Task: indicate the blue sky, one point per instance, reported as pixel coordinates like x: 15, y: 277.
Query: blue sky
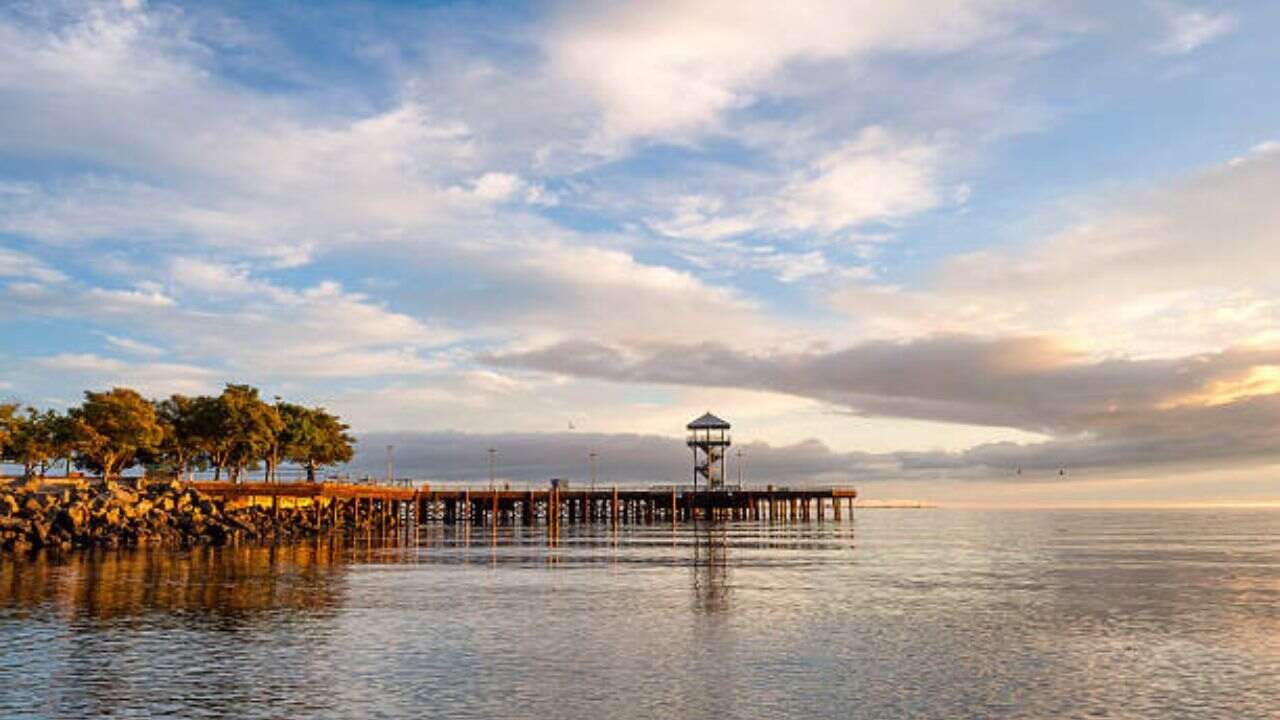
x: 914, y: 246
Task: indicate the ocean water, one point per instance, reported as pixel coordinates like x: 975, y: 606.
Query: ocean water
x: 893, y: 613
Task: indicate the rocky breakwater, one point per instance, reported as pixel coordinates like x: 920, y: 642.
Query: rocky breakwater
x: 111, y: 514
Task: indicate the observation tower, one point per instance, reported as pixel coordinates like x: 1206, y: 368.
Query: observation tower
x: 709, y: 440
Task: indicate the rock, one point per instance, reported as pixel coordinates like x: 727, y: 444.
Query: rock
x: 39, y: 533
x: 31, y: 506
x: 112, y: 517
x: 121, y: 495
x: 72, y: 518
x: 111, y: 514
x: 15, y: 524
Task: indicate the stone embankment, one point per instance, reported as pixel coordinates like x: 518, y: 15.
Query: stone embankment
x: 112, y: 514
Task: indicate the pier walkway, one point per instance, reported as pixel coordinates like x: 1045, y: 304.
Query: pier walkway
x: 552, y: 506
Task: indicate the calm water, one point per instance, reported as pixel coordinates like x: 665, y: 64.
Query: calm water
x: 897, y: 613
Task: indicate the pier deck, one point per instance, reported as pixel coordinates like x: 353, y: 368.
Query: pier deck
x: 552, y: 506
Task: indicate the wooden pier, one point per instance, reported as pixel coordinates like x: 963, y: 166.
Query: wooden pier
x: 550, y: 506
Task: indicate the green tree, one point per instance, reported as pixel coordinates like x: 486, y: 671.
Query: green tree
x: 8, y: 418
x: 32, y: 442
x: 315, y: 438
x: 181, y: 447
x: 274, y: 449
x: 114, y: 428
x: 236, y: 429
x: 66, y: 434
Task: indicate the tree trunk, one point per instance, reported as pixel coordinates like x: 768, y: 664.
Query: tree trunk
x: 311, y: 471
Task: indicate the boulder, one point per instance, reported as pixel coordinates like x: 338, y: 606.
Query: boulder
x: 118, y: 493
x: 112, y: 517
x: 72, y: 518
x: 39, y: 533
x: 32, y: 507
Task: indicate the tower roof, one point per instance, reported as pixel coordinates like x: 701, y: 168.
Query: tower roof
x: 708, y: 422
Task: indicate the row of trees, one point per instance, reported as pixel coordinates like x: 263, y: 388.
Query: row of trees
x: 232, y: 433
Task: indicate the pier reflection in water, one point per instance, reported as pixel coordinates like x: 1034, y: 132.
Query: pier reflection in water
x: 914, y: 613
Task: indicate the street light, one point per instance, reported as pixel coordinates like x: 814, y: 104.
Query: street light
x: 492, y: 483
x: 591, y: 464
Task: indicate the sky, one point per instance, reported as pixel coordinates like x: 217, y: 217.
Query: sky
x: 965, y: 251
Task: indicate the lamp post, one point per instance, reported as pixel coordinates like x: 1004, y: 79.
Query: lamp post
x: 492, y: 452
x: 591, y: 465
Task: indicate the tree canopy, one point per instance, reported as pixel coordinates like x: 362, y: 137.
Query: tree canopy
x: 113, y: 428
x: 233, y: 432
x: 315, y: 438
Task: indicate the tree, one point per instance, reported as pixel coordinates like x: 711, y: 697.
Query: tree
x: 31, y: 441
x: 183, y: 441
x: 66, y: 434
x: 273, y: 450
x: 8, y: 418
x: 315, y: 438
x: 115, y: 427
x: 236, y: 429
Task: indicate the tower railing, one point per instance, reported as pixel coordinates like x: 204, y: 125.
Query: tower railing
x: 695, y: 438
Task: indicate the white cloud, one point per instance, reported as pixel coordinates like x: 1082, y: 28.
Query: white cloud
x: 257, y: 329
x: 664, y: 68
x: 131, y: 346
x: 1188, y: 30
x: 14, y: 264
x: 497, y: 186
x: 1178, y: 269
x: 878, y: 176
x: 211, y: 278
x: 141, y: 297
x: 150, y: 378
x: 874, y: 177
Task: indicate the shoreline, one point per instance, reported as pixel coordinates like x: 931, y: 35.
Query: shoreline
x: 81, y: 513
